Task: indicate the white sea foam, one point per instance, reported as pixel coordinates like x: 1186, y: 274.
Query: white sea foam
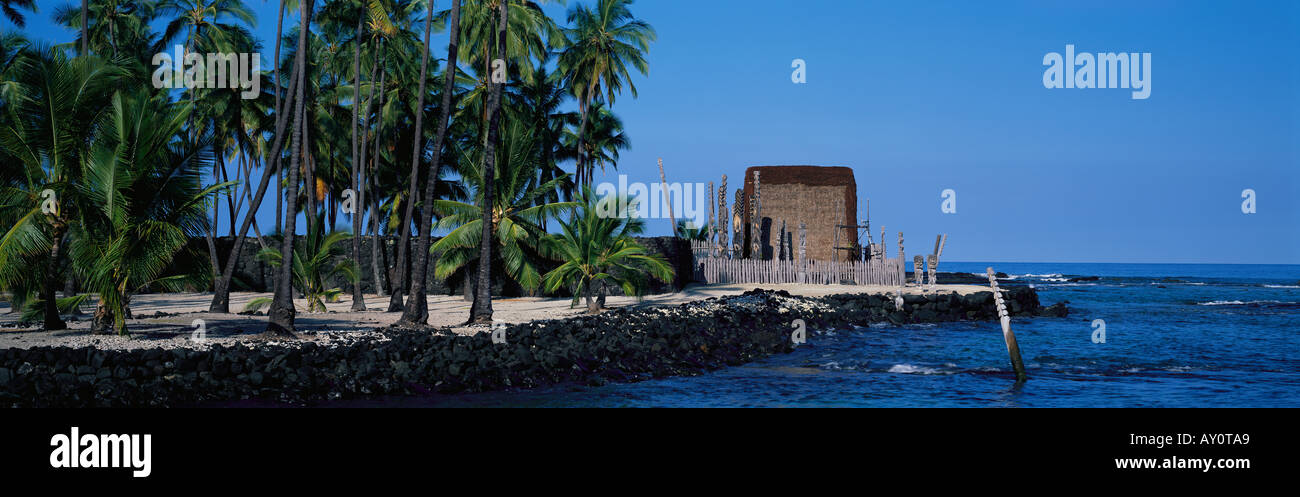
x: 910, y: 369
x: 1048, y: 277
x: 1281, y: 286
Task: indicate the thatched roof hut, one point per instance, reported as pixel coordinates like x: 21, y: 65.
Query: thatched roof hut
x: 820, y: 196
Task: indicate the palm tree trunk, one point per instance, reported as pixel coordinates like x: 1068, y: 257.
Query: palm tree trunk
x: 308, y: 170
x: 221, y: 289
x: 583, y: 177
x: 417, y: 306
x: 281, y: 316
x: 275, y: 75
x: 375, y: 250
x: 52, y: 320
x: 593, y: 305
x: 482, y: 308
x: 358, y: 212
x: 399, y: 271
x: 85, y: 33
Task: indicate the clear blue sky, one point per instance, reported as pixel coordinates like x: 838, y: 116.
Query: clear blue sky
x: 918, y: 97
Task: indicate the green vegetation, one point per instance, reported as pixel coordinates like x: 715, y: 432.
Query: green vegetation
x: 112, y: 176
x: 598, y: 251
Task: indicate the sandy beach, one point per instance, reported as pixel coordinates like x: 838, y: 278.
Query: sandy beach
x: 167, y: 320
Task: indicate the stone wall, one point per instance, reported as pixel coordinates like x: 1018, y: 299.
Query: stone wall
x: 620, y: 345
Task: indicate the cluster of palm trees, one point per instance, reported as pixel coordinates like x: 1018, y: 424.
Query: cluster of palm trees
x: 112, y: 176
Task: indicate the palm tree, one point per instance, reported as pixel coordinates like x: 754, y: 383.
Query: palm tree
x: 314, y: 267
x: 598, y: 250
x: 238, y: 125
x: 145, y: 198
x: 481, y: 310
x: 602, y: 142
x: 209, y: 24
x: 603, y: 43
x: 416, y: 311
x: 516, y: 218
x: 275, y: 73
x: 13, y: 47
x: 687, y: 230
x: 281, y: 316
x: 10, y: 9
x: 114, y: 26
x: 401, y: 14
x: 221, y: 287
x: 342, y: 14
x: 529, y: 34
x: 417, y: 154
x: 47, y: 132
x: 538, y: 102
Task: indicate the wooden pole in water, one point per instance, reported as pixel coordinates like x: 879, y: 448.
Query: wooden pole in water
x: 1013, y: 349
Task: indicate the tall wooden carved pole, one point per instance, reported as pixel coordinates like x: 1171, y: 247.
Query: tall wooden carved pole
x: 781, y: 253
x: 721, y: 230
x: 755, y: 249
x: 934, y: 264
x: 917, y: 271
x: 1013, y: 349
x: 663, y: 180
x: 738, y: 225
x: 902, y: 278
x: 708, y: 232
x: 803, y: 252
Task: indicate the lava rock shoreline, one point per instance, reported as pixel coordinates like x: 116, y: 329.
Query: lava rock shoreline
x: 621, y: 345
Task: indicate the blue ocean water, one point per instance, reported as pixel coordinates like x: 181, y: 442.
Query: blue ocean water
x: 1177, y: 335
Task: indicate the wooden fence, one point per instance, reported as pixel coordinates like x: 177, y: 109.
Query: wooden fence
x: 718, y: 270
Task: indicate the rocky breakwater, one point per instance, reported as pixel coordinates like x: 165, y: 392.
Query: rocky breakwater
x: 620, y: 345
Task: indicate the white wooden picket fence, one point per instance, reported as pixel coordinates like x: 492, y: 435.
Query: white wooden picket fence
x: 719, y: 270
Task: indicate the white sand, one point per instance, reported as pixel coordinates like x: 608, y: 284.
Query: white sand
x: 339, y: 322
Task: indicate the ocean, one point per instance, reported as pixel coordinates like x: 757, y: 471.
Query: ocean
x: 1176, y: 335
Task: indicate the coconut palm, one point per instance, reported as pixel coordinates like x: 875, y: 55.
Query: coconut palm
x: 417, y: 154
x: 10, y: 9
x: 687, y: 230
x: 401, y: 14
x: 538, y: 102
x: 516, y: 214
x: 12, y: 49
x: 47, y: 130
x: 221, y: 286
x: 114, y: 26
x: 315, y: 266
x: 280, y: 320
x: 602, y: 142
x: 416, y: 310
x: 603, y: 42
x: 530, y: 34
x: 146, y: 188
x: 597, y: 250
x: 480, y: 311
x: 342, y: 15
x: 209, y: 25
